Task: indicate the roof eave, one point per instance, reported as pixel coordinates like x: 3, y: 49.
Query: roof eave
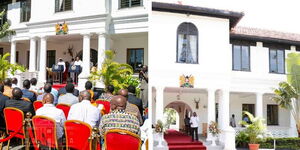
x: 234, y: 17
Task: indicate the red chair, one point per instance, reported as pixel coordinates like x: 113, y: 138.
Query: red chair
x: 14, y: 119
x: 77, y: 135
x: 37, y: 105
x: 117, y: 139
x: 106, y: 105
x: 65, y: 108
x: 45, y: 131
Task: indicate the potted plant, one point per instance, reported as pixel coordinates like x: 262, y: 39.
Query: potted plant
x: 255, y: 129
x: 160, y: 129
x: 214, y: 130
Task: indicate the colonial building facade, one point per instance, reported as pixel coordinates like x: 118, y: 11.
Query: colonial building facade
x: 47, y: 30
x: 205, y: 63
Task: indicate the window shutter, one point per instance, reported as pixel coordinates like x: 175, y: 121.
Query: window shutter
x: 124, y: 3
x: 68, y: 5
x: 56, y: 5
x: 135, y: 3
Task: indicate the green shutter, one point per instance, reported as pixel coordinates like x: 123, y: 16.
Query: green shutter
x: 68, y: 5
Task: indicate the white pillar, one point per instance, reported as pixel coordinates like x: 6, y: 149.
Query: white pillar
x: 223, y: 109
x: 13, y: 52
x: 159, y: 103
x: 211, y: 110
x: 101, y: 49
x: 259, y: 105
x: 86, y: 67
x: 32, y: 60
x: 293, y: 129
x: 43, y: 51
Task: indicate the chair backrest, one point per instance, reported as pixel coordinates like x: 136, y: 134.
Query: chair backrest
x: 106, y: 105
x: 37, y: 105
x: 45, y: 131
x: 64, y: 107
x: 117, y: 139
x: 14, y: 119
x: 26, y: 99
x: 77, y: 135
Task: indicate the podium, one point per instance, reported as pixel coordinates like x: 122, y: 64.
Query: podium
x: 59, y: 69
x: 74, y: 72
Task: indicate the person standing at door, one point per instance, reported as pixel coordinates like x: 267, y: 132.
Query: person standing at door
x: 187, y: 124
x: 194, y: 126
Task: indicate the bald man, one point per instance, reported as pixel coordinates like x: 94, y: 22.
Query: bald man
x: 131, y: 108
x: 18, y: 102
x: 84, y: 110
x: 49, y: 110
x: 118, y: 118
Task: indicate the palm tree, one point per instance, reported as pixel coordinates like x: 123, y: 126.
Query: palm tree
x: 288, y: 93
x: 5, y: 31
x: 6, y: 66
x: 113, y: 73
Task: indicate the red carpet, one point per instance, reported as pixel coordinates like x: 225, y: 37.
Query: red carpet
x: 58, y: 86
x: 180, y: 141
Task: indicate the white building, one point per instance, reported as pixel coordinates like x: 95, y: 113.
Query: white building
x: 233, y: 68
x: 93, y: 26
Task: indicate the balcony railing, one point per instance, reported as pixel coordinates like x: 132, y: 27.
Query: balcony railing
x: 25, y: 11
x: 130, y: 3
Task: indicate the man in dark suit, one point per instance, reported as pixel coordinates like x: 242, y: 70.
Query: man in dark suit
x: 62, y: 91
x: 134, y: 100
x: 3, y: 99
x: 17, y: 102
x: 26, y: 93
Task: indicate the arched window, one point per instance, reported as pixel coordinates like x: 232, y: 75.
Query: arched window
x: 187, y: 43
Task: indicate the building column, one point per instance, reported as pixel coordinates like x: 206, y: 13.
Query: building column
x: 224, y: 109
x: 259, y: 105
x: 293, y: 128
x: 211, y: 110
x: 32, y: 60
x: 43, y: 51
x: 86, y: 67
x: 159, y: 103
x: 13, y: 48
x: 101, y: 55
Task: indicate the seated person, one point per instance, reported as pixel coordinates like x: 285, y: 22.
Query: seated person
x: 18, y: 102
x: 84, y: 111
x: 54, y: 92
x: 108, y: 94
x: 49, y: 110
x: 47, y: 89
x: 131, y: 108
x: 118, y: 118
x: 7, y: 87
x: 3, y: 100
x: 68, y: 98
x: 88, y: 86
x: 62, y: 91
x: 26, y: 93
x: 14, y: 82
x: 33, y: 86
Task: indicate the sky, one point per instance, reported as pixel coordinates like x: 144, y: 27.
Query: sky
x: 279, y: 15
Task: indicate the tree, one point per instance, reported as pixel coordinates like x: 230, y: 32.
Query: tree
x: 288, y: 92
x: 113, y: 73
x: 5, y: 31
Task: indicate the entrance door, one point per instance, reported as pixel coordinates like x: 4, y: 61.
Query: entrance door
x: 51, y: 57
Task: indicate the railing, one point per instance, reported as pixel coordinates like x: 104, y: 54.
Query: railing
x: 276, y: 132
x: 25, y: 11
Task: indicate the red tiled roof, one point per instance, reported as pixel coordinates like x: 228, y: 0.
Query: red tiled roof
x: 265, y: 34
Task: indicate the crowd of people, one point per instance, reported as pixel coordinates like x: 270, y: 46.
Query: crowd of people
x: 126, y: 109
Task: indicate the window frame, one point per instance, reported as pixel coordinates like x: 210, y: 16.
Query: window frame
x: 127, y: 58
x: 27, y: 3
x: 130, y: 6
x: 277, y: 118
x: 197, y: 46
x: 58, y: 11
x: 277, y: 72
x: 249, y: 61
x: 48, y: 59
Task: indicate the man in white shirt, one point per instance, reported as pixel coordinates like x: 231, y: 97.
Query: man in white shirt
x: 84, y: 110
x: 61, y: 62
x: 77, y: 62
x: 49, y: 110
x: 194, y: 126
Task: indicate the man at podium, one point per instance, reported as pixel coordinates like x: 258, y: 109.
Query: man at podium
x: 59, y: 68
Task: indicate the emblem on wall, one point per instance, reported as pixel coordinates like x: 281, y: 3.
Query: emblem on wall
x: 187, y: 81
x: 61, y: 28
